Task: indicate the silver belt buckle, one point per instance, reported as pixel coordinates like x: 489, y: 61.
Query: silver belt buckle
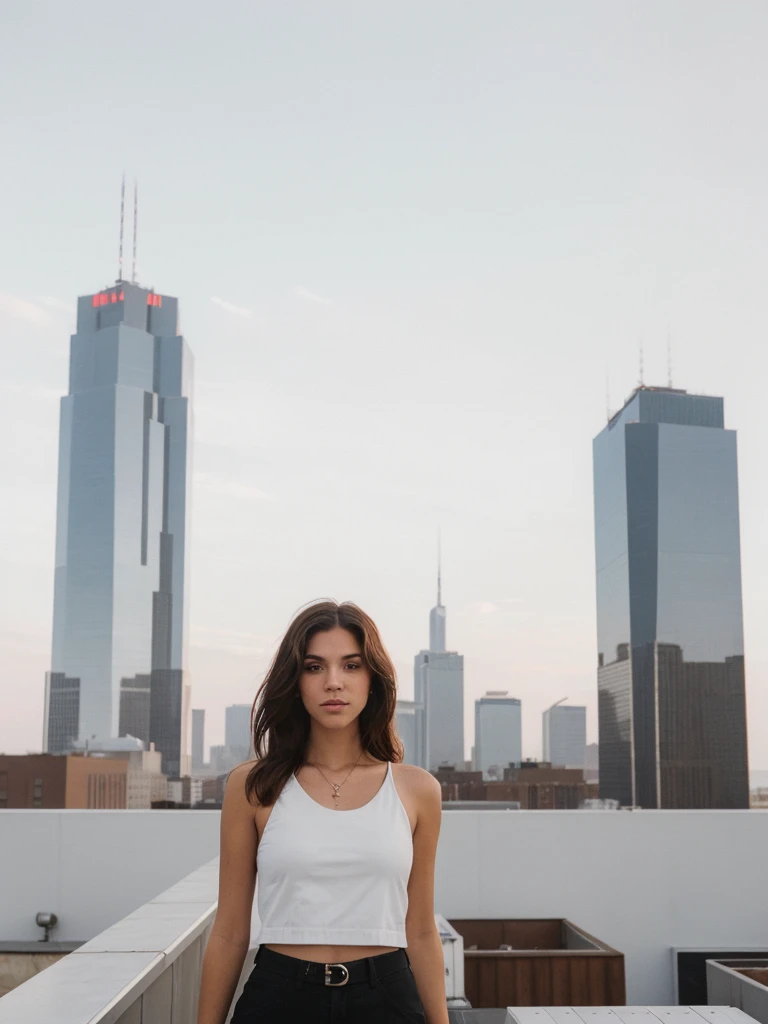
x: 335, y: 984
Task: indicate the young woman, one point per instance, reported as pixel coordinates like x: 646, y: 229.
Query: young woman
x: 343, y: 836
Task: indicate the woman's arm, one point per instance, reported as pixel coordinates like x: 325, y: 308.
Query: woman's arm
x: 425, y: 949
x: 231, y: 932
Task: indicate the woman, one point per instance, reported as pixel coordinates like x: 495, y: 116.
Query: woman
x: 343, y: 836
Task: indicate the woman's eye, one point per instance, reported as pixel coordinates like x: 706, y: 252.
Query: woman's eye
x: 353, y: 665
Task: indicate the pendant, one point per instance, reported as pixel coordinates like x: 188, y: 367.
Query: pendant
x: 335, y: 796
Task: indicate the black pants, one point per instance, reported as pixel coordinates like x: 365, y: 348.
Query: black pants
x: 285, y: 990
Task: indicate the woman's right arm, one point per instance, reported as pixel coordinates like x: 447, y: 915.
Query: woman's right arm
x: 231, y: 932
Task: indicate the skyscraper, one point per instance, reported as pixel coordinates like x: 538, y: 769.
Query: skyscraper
x: 564, y: 735
x: 438, y: 688
x: 119, y: 617
x: 237, y: 731
x: 498, y: 732
x: 405, y: 718
x: 669, y: 614
x: 198, y: 738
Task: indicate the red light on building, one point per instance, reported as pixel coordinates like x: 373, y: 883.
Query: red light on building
x: 155, y: 300
x: 105, y: 298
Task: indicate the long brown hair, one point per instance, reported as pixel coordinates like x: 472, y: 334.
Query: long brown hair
x: 280, y: 723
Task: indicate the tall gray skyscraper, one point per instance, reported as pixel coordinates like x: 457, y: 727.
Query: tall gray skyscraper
x: 237, y: 731
x: 564, y: 735
x: 438, y: 688
x: 119, y: 617
x: 673, y: 729
x: 498, y: 732
x: 198, y: 738
x: 405, y: 718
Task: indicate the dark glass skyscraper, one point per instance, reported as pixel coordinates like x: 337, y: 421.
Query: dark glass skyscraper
x: 119, y: 620
x: 673, y: 730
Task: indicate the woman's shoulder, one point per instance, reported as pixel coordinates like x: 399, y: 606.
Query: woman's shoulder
x: 416, y: 781
x: 236, y: 781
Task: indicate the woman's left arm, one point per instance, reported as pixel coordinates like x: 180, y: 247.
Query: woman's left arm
x: 425, y: 949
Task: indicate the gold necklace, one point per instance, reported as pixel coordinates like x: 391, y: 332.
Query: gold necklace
x: 336, y: 786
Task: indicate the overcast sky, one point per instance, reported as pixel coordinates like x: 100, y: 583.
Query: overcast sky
x: 409, y: 240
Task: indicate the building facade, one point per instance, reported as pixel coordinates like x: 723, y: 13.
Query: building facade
x: 671, y: 690
x: 237, y: 732
x: 105, y: 780
x: 120, y: 611
x: 405, y: 719
x: 198, y: 738
x: 564, y: 735
x: 498, y: 733
x: 438, y: 689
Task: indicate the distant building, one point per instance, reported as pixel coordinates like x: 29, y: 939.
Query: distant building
x: 116, y: 780
x: 498, y: 733
x: 533, y: 786
x: 592, y: 763
x: 221, y: 759
x: 237, y: 732
x: 405, y: 718
x: 438, y: 687
x: 198, y: 739
x: 564, y: 735
x: 671, y: 701
x: 119, y: 646
x: 186, y: 791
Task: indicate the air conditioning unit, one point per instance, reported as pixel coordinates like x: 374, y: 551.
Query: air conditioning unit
x: 453, y: 958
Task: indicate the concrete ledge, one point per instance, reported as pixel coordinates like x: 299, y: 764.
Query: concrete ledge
x: 142, y: 964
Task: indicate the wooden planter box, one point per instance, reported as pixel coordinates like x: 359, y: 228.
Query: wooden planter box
x: 547, y: 962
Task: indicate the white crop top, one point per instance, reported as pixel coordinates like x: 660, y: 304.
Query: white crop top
x: 332, y: 877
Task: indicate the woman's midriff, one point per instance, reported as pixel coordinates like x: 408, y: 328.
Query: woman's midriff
x: 329, y: 954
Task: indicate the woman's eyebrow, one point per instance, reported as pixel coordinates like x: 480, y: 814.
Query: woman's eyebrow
x: 317, y: 657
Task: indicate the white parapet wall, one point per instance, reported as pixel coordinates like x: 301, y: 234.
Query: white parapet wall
x: 642, y: 881
x: 92, y: 868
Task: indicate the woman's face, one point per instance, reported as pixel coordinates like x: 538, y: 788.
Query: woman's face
x: 334, y: 682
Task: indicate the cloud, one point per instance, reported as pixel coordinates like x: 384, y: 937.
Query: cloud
x: 57, y: 304
x: 237, y: 310
x: 305, y: 293
x: 20, y: 309
x: 231, y: 488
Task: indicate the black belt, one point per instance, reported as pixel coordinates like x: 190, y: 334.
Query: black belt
x: 368, y: 968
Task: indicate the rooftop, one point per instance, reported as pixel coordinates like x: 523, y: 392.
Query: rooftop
x: 138, y: 889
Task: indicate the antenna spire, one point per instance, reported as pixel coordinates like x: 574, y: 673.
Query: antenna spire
x: 669, y: 359
x: 439, y: 571
x: 135, y: 226
x: 641, y: 379
x: 122, y: 226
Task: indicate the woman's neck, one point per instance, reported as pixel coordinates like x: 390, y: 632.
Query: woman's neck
x: 334, y: 749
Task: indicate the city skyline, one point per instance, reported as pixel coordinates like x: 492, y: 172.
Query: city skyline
x: 416, y: 282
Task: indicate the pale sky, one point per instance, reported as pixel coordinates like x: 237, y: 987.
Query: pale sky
x: 409, y: 240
